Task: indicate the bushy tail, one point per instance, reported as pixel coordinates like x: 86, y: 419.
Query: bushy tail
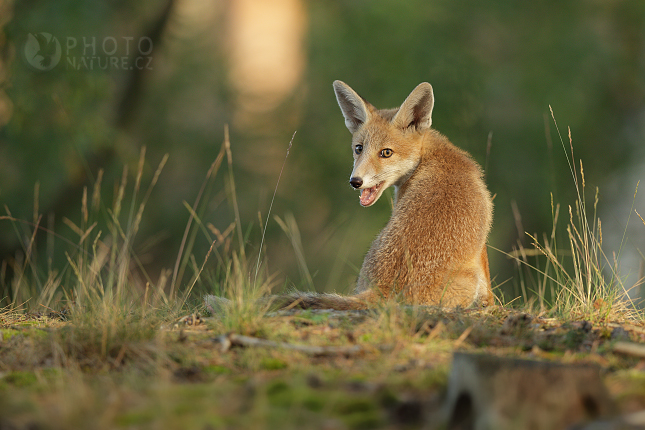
x: 300, y: 300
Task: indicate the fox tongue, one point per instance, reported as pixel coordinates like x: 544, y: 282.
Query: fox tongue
x: 368, y: 195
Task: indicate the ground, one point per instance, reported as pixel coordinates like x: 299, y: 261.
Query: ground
x: 383, y: 368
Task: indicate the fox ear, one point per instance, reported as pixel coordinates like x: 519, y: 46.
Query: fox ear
x: 416, y: 110
x: 352, y: 105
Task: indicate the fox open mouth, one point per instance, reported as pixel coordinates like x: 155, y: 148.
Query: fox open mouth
x: 369, y: 195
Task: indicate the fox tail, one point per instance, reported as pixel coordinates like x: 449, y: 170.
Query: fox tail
x: 300, y: 300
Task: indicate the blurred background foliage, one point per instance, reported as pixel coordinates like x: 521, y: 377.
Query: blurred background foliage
x: 266, y: 68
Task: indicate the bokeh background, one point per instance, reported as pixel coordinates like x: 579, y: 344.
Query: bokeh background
x: 265, y: 68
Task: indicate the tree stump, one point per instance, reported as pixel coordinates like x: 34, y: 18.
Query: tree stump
x: 487, y: 392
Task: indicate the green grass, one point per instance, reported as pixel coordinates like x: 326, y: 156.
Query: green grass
x: 103, y: 344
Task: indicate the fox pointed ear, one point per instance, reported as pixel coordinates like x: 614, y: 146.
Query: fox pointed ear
x: 352, y: 105
x: 416, y: 110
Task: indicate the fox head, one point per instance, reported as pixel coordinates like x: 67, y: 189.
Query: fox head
x: 387, y: 144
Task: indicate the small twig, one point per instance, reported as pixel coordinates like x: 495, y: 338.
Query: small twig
x: 230, y: 340
x: 436, y: 330
x: 120, y: 355
x: 293, y: 304
x: 639, y: 215
x: 50, y: 309
x: 628, y: 327
x: 629, y: 348
x: 463, y: 337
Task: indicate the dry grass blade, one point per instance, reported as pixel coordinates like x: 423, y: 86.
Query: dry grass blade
x: 142, y: 205
x: 177, y: 273
x: 275, y: 190
x: 28, y: 259
x: 96, y: 192
x: 639, y: 215
x: 583, y: 276
x: 236, y: 209
x: 290, y: 227
x: 629, y: 348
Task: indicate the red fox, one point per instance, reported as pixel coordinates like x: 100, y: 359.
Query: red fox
x: 433, y: 249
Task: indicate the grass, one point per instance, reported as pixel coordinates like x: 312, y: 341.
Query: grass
x: 103, y: 344
x: 578, y: 280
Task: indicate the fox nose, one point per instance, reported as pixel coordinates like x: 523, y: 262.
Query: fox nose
x: 356, y: 182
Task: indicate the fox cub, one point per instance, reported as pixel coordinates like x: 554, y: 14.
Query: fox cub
x: 433, y: 249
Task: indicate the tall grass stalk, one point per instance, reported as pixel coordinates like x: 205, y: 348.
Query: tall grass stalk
x: 112, y: 302
x: 582, y: 281
x: 275, y: 191
x: 231, y: 179
x: 290, y: 227
x: 182, y: 258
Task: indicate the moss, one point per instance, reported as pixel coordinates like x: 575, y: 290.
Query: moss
x: 314, y: 403
x: 436, y: 377
x: 387, y: 398
x: 573, y: 339
x: 194, y: 393
x: 315, y: 318
x: 178, y: 357
x: 187, y: 407
x: 355, y: 405
x: 8, y: 333
x: 134, y: 418
x: 51, y: 373
x: 214, y: 369
x: 280, y: 394
x: 270, y: 363
x: 363, y: 420
x: 19, y: 378
x: 28, y: 323
x: 276, y: 387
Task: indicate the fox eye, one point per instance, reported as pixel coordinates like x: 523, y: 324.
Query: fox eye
x: 387, y: 153
x: 358, y: 149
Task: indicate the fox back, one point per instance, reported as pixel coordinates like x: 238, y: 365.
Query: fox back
x: 433, y: 249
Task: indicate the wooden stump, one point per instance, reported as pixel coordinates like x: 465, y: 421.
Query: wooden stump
x: 487, y: 392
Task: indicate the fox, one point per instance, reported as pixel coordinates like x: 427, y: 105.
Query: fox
x: 433, y: 249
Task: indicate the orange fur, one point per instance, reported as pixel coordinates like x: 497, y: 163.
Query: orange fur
x: 433, y: 249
